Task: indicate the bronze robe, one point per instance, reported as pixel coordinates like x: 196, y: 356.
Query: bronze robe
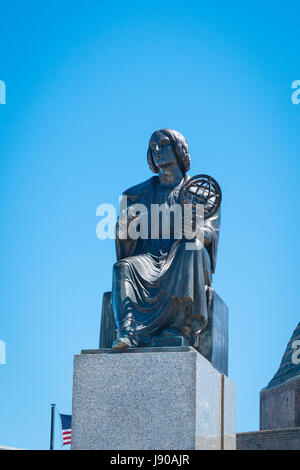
x: 160, y: 287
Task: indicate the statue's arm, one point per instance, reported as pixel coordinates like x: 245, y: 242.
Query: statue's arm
x: 211, y: 237
x: 125, y: 246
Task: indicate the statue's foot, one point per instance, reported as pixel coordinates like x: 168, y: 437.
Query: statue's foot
x: 122, y: 343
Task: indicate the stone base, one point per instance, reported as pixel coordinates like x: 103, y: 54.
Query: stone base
x: 151, y: 398
x: 279, y: 439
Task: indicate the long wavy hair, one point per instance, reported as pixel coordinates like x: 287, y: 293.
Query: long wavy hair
x: 180, y: 147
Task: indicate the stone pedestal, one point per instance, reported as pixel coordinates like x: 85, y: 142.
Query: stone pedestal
x: 151, y: 398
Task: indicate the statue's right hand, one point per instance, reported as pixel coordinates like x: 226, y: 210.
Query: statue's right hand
x: 126, y: 216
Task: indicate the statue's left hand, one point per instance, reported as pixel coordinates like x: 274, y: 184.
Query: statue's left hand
x: 196, y: 229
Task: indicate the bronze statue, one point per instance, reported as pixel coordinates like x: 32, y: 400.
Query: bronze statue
x: 161, y: 289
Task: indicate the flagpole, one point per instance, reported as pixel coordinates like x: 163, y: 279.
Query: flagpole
x: 60, y: 427
x: 52, y: 426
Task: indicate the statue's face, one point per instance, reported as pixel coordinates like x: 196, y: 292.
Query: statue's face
x: 162, y: 151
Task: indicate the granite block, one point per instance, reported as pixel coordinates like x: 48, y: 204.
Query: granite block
x: 207, y: 413
x: 149, y: 398
x: 229, y: 415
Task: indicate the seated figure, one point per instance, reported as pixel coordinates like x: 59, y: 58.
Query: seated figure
x: 161, y: 287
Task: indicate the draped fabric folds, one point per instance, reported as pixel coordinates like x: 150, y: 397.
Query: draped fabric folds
x: 159, y: 286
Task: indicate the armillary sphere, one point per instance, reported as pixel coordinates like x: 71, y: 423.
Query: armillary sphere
x: 202, y: 189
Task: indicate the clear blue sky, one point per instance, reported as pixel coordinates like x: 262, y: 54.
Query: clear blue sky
x: 87, y: 83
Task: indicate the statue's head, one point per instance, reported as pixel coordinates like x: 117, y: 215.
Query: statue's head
x: 165, y: 146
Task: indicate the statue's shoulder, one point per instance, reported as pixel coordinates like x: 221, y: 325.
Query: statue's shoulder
x: 139, y: 189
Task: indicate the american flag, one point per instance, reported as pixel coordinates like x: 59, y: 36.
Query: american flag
x: 66, y: 425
